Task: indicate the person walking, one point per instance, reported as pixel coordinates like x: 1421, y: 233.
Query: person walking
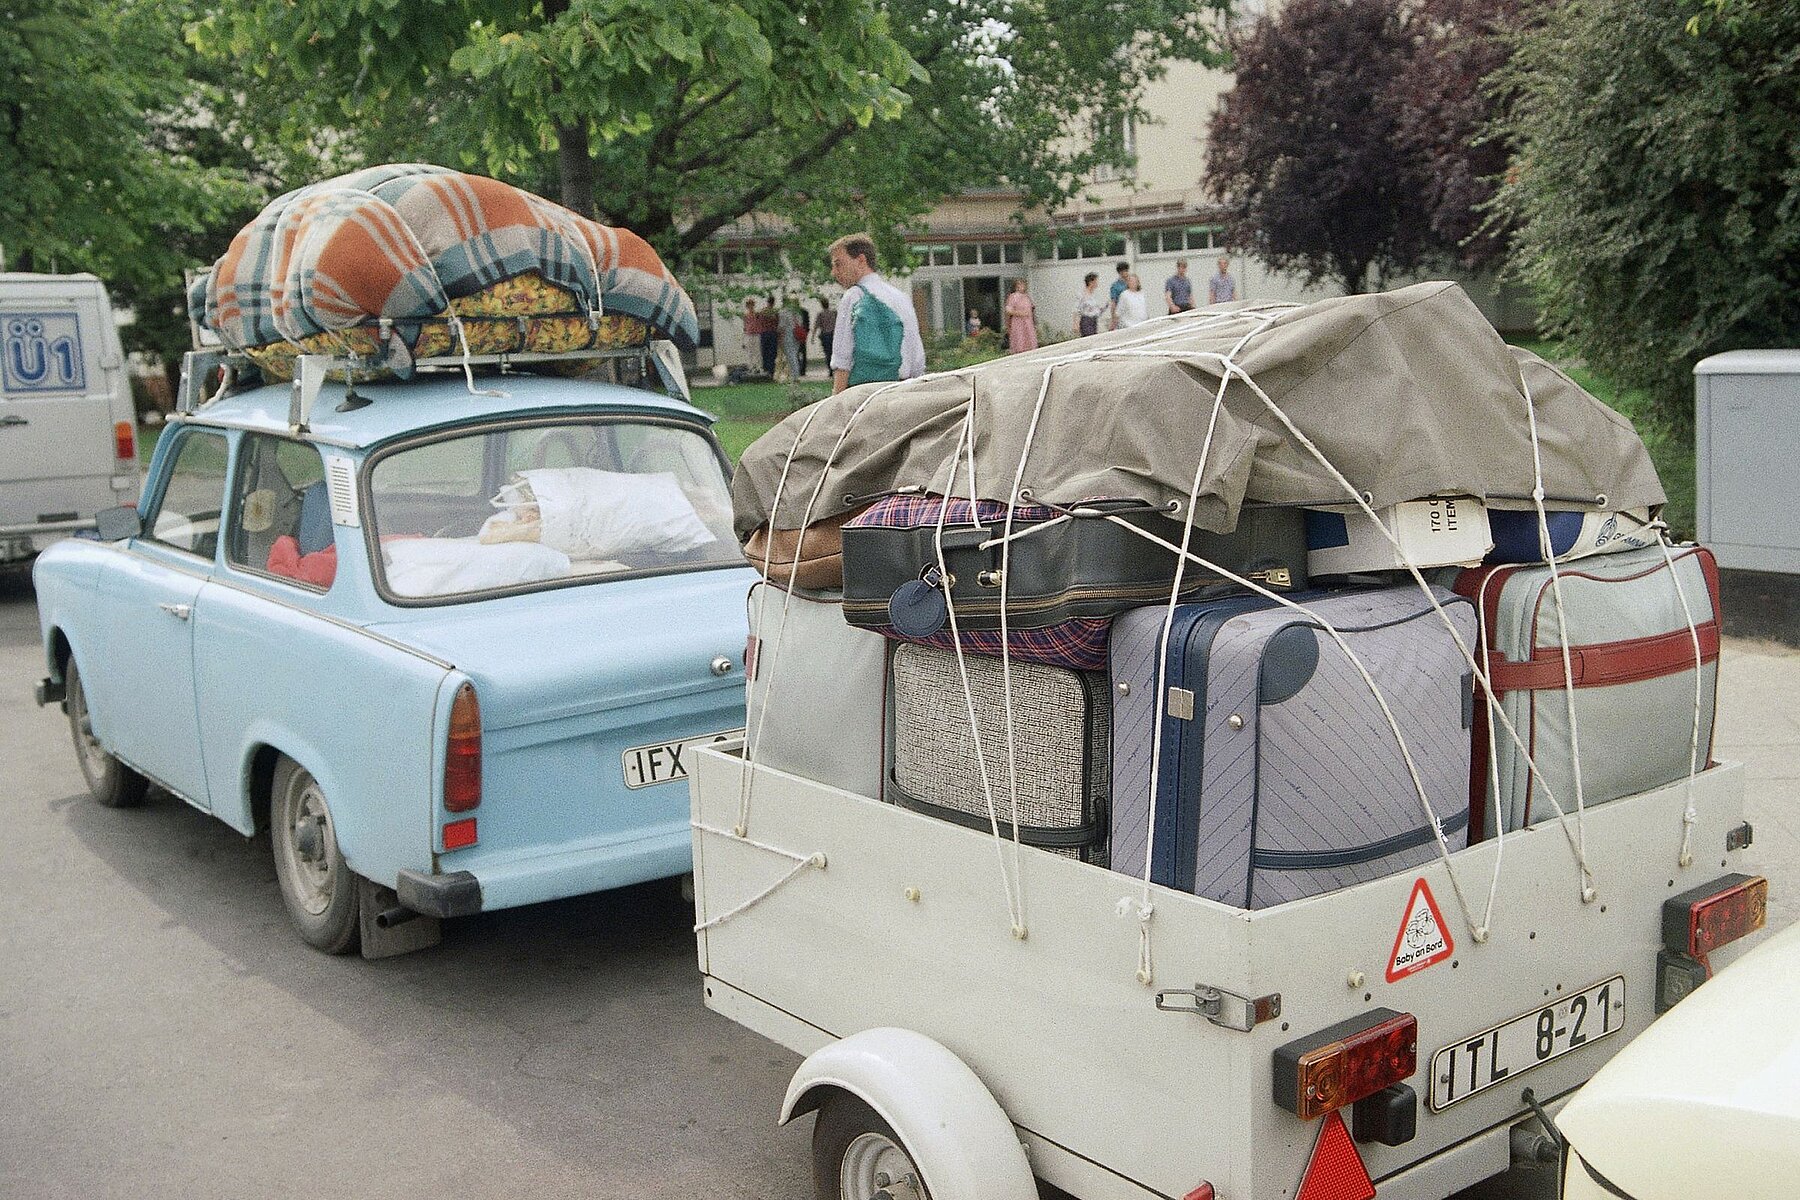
x: 827, y: 329
x: 1112, y: 294
x: 1178, y: 292
x: 877, y: 334
x: 787, y: 331
x: 1090, y: 305
x: 1021, y: 320
x: 767, y: 334
x: 1221, y: 287
x: 802, y: 331
x: 1132, y: 308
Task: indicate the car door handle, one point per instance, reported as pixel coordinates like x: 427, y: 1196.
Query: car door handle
x: 180, y: 612
x: 12, y: 419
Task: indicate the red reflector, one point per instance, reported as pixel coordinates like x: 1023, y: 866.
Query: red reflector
x: 751, y: 645
x: 1203, y: 1192
x: 1727, y: 916
x: 124, y: 440
x: 458, y: 834
x: 1336, y: 1171
x: 462, y: 757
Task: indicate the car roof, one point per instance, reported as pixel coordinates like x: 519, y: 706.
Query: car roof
x: 397, y: 408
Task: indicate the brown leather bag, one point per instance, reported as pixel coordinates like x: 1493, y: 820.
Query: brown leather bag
x: 821, y: 565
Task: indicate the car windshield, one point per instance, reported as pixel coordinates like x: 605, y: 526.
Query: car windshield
x: 547, y: 504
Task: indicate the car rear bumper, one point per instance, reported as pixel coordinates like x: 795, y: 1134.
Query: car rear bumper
x: 457, y: 894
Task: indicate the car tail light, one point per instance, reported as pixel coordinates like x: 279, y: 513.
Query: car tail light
x: 1335, y: 1171
x: 462, y: 757
x: 1698, y: 922
x: 1340, y: 1065
x: 124, y: 441
x: 458, y: 834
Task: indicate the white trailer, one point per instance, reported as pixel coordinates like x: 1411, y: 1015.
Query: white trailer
x: 68, y: 432
x: 1357, y: 1043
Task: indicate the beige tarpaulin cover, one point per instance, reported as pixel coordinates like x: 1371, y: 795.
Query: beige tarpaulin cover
x: 1409, y: 393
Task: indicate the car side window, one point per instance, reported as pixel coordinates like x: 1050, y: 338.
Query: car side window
x: 281, y: 515
x: 188, y: 516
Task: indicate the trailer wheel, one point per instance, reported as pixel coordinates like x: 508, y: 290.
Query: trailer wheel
x: 858, y: 1156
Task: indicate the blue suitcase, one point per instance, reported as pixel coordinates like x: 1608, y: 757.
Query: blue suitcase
x: 1280, y: 777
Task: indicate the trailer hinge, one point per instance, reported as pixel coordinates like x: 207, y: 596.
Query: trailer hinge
x: 1224, y: 1009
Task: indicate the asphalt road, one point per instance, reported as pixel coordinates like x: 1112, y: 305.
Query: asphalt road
x: 164, y: 1034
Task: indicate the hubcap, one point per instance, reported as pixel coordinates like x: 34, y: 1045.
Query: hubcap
x: 310, y: 847
x: 874, y: 1168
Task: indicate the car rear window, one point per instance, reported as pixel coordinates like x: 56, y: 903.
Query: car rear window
x: 547, y: 504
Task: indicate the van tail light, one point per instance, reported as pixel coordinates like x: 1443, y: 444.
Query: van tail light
x: 462, y: 757
x: 1700, y: 921
x: 1203, y: 1192
x: 1335, y: 1171
x: 1338, y: 1066
x: 124, y: 441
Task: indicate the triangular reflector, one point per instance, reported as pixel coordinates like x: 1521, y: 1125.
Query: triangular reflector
x: 1336, y: 1171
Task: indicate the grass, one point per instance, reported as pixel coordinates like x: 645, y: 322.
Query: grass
x: 747, y: 410
x: 1671, y: 451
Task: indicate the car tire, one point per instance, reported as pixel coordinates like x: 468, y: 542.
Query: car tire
x: 316, y: 883
x: 112, y: 782
x: 858, y: 1156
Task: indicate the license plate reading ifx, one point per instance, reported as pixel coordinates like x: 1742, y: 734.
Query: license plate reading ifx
x: 1476, y: 1063
x: 665, y: 762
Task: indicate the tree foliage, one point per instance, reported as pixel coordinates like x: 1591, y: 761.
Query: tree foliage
x: 679, y: 118
x: 1657, y: 183
x: 1303, y: 153
x: 98, y: 122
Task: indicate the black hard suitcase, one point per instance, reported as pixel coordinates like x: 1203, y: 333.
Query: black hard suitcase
x: 1061, y: 740
x: 1086, y: 567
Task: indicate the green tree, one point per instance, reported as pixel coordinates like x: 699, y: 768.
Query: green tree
x: 679, y: 118
x: 96, y: 125
x: 1656, y: 183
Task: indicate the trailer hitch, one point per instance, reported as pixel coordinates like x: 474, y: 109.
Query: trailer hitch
x: 1228, y: 1010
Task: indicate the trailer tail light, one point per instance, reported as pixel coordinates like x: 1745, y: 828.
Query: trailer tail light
x: 1335, y: 1171
x: 1700, y: 921
x: 1341, y: 1065
x: 462, y: 757
x: 458, y: 834
x: 124, y: 441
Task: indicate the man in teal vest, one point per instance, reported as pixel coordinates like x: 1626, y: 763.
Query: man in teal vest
x: 877, y: 335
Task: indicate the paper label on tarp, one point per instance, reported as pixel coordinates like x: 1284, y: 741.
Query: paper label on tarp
x: 1440, y: 531
x: 340, y: 485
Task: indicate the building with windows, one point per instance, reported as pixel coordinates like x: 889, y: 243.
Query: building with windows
x: 971, y: 248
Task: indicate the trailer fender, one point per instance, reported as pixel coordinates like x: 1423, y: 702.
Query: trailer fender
x: 951, y: 1125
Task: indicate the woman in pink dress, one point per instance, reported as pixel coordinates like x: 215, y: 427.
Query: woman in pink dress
x: 1021, y: 320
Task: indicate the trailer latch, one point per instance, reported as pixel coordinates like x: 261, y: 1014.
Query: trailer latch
x: 1227, y: 1010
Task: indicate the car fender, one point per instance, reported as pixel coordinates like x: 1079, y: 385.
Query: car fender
x: 349, y: 825
x: 954, y: 1130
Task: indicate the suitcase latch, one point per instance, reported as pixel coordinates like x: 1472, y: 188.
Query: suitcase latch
x: 1181, y: 704
x: 1224, y: 1009
x: 1275, y: 577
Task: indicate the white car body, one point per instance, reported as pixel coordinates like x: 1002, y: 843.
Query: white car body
x: 1706, y: 1102
x: 64, y: 391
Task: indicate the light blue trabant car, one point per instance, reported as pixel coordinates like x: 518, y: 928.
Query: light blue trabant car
x: 446, y: 647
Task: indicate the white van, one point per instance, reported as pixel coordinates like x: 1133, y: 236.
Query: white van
x: 68, y: 433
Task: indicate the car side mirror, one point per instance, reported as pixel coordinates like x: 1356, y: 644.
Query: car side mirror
x: 117, y: 524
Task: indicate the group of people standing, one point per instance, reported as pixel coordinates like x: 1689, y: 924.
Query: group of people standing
x: 1124, y: 304
x: 780, y: 331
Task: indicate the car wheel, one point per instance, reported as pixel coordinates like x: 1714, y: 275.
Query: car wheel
x: 858, y: 1156
x: 112, y: 782
x: 316, y: 884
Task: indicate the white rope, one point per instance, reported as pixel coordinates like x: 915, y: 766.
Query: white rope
x: 468, y: 364
x: 1689, y: 815
x: 801, y: 863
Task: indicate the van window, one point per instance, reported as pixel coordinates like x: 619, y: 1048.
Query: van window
x: 281, y: 516
x: 188, y: 516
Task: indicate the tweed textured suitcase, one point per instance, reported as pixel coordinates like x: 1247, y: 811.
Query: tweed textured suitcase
x: 1065, y: 580
x: 819, y: 681
x: 1633, y: 662
x: 1061, y: 742
x: 1280, y: 778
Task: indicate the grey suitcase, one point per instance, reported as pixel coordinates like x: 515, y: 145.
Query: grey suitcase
x: 1061, y: 743
x: 818, y: 680
x: 1632, y: 658
x: 1280, y: 777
